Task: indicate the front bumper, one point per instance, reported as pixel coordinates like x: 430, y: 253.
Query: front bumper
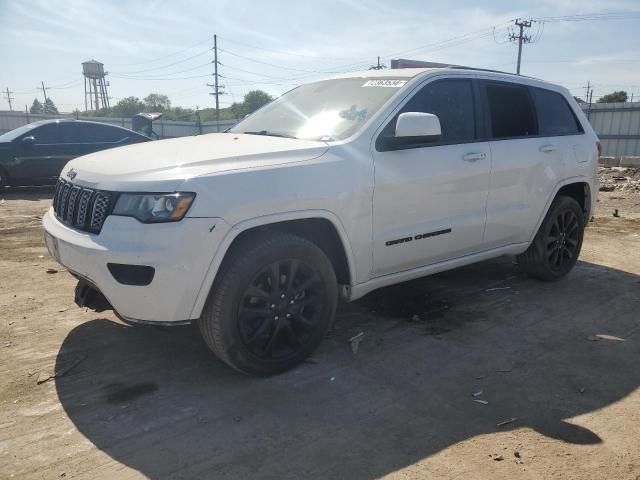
x: 180, y: 252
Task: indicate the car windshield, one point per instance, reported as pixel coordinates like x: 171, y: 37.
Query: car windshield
x: 325, y: 110
x: 13, y: 134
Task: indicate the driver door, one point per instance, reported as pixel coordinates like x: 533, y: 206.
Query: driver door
x: 430, y: 199
x: 43, y: 160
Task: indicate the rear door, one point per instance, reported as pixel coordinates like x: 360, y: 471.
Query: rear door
x: 430, y: 198
x: 560, y: 128
x: 523, y: 168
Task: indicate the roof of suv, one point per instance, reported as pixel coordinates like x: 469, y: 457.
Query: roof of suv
x: 409, y: 73
x: 412, y: 72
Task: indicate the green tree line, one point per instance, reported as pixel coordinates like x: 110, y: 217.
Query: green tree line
x: 157, y: 102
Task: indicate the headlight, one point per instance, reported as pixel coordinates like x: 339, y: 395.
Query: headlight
x: 154, y: 207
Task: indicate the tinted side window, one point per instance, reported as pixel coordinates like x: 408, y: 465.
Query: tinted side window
x: 55, y: 133
x: 511, y: 111
x: 555, y: 117
x: 452, y: 102
x: 90, y: 133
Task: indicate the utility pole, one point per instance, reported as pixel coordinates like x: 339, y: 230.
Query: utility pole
x: 588, y: 87
x: 589, y: 99
x: 521, y: 38
x: 44, y: 91
x: 379, y: 66
x: 216, y: 91
x: 9, y: 98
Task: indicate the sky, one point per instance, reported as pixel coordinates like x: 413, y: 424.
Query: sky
x: 165, y: 47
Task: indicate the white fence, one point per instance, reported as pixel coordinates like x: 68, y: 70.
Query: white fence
x: 164, y: 128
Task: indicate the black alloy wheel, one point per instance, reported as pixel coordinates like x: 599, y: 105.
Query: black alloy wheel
x: 556, y: 246
x: 563, y: 239
x: 272, y: 302
x: 279, y: 309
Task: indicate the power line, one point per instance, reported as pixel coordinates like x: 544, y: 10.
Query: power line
x: 164, y: 75
x: 282, y: 52
x: 162, y: 57
x: 168, y: 65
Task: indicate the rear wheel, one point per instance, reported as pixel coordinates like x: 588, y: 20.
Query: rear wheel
x: 271, y: 304
x: 556, y: 247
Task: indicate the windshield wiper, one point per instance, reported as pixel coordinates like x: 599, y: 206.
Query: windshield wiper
x: 270, y: 134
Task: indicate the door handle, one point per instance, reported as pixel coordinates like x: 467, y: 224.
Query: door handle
x: 548, y: 148
x: 472, y: 157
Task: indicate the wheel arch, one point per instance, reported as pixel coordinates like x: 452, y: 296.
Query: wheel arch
x: 318, y: 226
x: 578, y: 188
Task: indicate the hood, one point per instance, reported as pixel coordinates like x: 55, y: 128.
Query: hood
x: 163, y: 165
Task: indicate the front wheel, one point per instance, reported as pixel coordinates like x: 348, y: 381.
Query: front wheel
x: 271, y: 304
x: 556, y: 247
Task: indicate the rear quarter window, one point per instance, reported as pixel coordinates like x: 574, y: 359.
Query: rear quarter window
x: 555, y: 116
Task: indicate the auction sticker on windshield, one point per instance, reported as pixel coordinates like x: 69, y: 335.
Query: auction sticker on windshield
x: 385, y: 83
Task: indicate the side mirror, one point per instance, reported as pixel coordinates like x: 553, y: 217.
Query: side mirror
x: 28, y: 142
x: 423, y: 127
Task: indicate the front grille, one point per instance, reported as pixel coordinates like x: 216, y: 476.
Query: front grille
x: 82, y: 208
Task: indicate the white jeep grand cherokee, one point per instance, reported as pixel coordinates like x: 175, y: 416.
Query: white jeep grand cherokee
x: 338, y: 187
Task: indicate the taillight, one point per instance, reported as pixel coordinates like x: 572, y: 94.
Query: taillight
x: 599, y: 148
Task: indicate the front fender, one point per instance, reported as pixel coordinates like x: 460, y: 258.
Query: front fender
x: 261, y: 221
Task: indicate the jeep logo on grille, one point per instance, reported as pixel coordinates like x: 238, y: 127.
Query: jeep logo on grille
x: 72, y: 174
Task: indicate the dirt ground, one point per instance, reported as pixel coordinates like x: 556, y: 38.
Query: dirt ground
x: 561, y: 359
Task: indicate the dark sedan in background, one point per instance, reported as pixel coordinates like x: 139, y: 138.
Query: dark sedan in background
x: 35, y: 154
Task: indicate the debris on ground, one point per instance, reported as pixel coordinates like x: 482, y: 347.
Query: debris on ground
x: 355, y: 342
x: 498, y: 458
x: 507, y: 422
x: 615, y: 213
x: 52, y: 270
x: 602, y: 336
x: 497, y: 288
x: 504, y: 370
x: 45, y: 376
x: 481, y: 402
x: 476, y: 394
x: 63, y: 310
x: 517, y: 454
x: 624, y: 179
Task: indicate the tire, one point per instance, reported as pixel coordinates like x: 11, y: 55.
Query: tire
x: 556, y: 247
x: 271, y: 304
x: 4, y: 179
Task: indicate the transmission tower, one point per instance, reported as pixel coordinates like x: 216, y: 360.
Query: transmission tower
x: 215, y: 85
x: 94, y: 79
x: 520, y: 38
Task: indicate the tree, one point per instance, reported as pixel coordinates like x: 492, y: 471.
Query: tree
x: 255, y: 99
x: 49, y: 107
x: 127, y: 107
x: 36, y: 106
x: 615, y: 97
x: 156, y: 102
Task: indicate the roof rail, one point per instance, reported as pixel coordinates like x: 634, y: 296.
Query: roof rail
x: 460, y: 67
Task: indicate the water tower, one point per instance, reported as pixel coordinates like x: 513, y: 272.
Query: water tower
x: 94, y: 78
